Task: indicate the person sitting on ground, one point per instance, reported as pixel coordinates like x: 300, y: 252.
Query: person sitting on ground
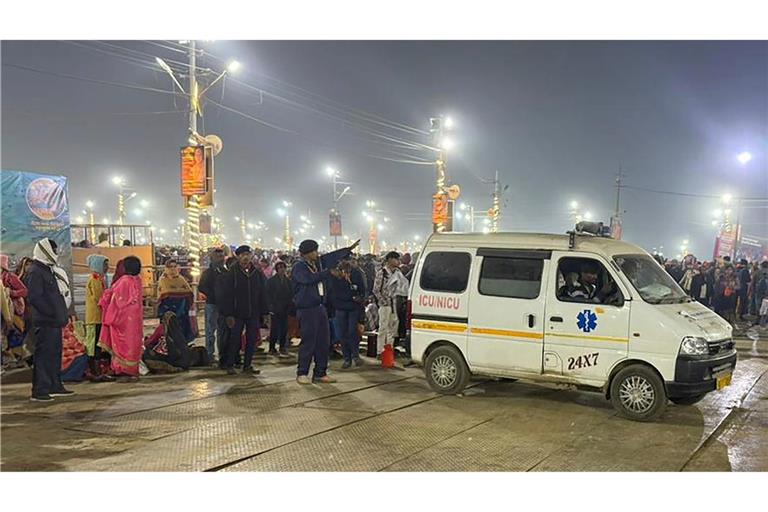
x: 15, y: 327
x: 166, y: 350
x: 74, y: 358
x: 175, y: 294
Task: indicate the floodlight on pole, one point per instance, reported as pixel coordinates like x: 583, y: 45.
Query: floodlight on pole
x: 234, y: 66
x: 744, y: 157
x: 168, y: 70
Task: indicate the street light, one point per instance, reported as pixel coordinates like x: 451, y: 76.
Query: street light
x: 447, y: 144
x: 234, y: 66
x: 727, y: 198
x: 744, y: 157
x: 448, y: 123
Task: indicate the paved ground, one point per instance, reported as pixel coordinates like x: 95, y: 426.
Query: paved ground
x: 377, y: 420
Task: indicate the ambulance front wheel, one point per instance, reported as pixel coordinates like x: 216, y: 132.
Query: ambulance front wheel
x: 638, y: 393
x: 446, y: 371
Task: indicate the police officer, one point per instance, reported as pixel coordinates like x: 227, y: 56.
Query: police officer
x: 310, y: 274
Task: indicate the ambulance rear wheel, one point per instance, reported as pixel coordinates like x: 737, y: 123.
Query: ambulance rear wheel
x: 446, y: 371
x: 638, y: 393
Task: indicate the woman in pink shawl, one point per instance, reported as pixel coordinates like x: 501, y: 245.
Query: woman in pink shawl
x: 123, y: 321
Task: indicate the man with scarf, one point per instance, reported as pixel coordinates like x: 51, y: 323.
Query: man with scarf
x: 48, y: 293
x: 241, y: 296
x: 175, y: 294
x: 310, y: 278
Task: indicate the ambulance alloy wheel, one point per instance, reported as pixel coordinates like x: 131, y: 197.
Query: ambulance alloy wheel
x: 447, y: 373
x: 638, y: 393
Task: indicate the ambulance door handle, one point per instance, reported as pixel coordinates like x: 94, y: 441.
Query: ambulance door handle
x: 556, y: 319
x: 531, y: 321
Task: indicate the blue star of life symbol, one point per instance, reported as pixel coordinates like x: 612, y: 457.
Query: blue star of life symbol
x: 586, y: 321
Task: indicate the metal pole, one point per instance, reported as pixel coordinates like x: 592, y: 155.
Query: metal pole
x: 496, y: 204
x: 193, y: 207
x: 737, y: 238
x: 335, y: 209
x: 92, y: 221
x: 471, y: 218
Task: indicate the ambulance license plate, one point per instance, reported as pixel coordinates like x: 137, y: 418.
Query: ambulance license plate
x: 723, y: 381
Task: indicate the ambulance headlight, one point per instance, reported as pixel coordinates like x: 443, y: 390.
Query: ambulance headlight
x: 692, y: 346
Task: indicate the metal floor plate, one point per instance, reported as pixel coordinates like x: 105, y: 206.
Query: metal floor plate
x: 224, y: 440
x: 371, y: 444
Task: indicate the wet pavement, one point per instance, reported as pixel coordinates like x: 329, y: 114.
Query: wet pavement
x: 374, y: 419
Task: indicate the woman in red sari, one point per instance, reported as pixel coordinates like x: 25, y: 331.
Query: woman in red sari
x: 124, y: 321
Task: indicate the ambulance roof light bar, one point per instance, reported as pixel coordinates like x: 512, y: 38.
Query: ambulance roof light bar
x: 588, y: 228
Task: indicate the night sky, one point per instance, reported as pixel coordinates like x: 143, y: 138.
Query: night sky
x: 556, y: 119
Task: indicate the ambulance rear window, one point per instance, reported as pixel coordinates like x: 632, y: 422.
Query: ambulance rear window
x: 445, y: 271
x: 516, y: 278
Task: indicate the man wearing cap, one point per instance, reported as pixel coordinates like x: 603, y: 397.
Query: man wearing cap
x: 242, y: 301
x: 310, y: 274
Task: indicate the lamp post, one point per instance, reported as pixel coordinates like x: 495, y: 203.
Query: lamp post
x: 91, y: 219
x: 120, y: 182
x: 470, y: 215
x: 438, y: 127
x: 336, y: 196
x: 283, y: 212
x: 195, y: 109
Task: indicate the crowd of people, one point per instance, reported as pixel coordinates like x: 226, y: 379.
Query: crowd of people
x: 327, y: 301
x: 737, y: 292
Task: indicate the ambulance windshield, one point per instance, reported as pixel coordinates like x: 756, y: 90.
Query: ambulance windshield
x: 651, y: 281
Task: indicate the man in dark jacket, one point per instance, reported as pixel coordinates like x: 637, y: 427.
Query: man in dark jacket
x: 48, y: 315
x: 280, y: 296
x: 207, y: 287
x: 241, y: 296
x: 744, y: 279
x: 310, y: 275
x: 347, y: 293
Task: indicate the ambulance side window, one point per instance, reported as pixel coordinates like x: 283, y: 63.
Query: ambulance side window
x: 517, y: 278
x: 445, y: 271
x: 586, y: 280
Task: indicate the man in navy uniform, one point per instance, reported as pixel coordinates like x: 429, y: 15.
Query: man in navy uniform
x: 310, y: 277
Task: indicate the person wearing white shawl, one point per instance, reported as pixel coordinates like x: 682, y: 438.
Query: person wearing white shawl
x: 45, y: 253
x: 48, y: 290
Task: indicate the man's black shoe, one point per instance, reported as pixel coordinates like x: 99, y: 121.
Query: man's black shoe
x: 250, y: 370
x: 41, y: 398
x: 63, y: 392
x: 231, y: 371
x: 347, y: 365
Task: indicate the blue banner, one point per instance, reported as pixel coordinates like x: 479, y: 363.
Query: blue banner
x: 34, y: 206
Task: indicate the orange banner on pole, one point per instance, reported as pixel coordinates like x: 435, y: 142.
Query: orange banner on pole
x: 439, y: 209
x: 193, y: 174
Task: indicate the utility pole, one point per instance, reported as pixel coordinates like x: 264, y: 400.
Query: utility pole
x: 437, y: 125
x: 496, y: 207
x: 616, y: 218
x: 193, y: 207
x: 494, y: 212
x: 121, y: 205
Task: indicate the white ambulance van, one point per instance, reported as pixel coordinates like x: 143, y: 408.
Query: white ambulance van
x: 579, y: 310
